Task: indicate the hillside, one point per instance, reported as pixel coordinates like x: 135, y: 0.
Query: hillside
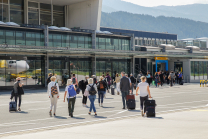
x: 197, y: 12
x: 185, y: 28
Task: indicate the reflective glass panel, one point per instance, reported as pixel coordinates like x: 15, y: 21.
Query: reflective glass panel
x: 73, y: 41
x: 88, y: 42
x: 16, y: 11
x: 81, y: 42
x: 205, y: 70
x: 109, y: 44
x: 20, y: 38
x: 33, y: 4
x: 101, y: 43
x: 196, y: 70
x: 30, y: 39
x: 2, y: 37
x: 4, y: 14
x: 192, y: 70
x: 33, y: 16
x: 201, y: 68
x: 10, y: 37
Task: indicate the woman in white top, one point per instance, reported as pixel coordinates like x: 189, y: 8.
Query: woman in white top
x: 144, y: 92
x: 54, y: 98
x: 91, y: 97
x: 70, y: 92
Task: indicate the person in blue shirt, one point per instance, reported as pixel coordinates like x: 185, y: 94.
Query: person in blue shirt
x: 70, y: 93
x: 180, y: 77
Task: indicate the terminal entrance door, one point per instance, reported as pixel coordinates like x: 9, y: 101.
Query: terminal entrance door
x: 178, y: 66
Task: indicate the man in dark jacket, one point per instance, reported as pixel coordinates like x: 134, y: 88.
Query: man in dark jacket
x: 133, y: 81
x: 124, y: 87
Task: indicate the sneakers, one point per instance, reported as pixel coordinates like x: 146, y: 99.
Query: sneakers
x: 50, y: 113
x: 19, y: 109
x: 101, y: 105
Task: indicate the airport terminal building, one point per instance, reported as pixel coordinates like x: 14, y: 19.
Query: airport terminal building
x: 38, y: 37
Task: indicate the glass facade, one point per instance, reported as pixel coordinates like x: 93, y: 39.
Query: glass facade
x: 71, y: 40
x: 113, y: 43
x: 112, y: 66
x: 28, y: 70
x: 17, y: 11
x: 199, y: 70
x: 15, y: 36
x: 58, y: 16
x: 4, y: 11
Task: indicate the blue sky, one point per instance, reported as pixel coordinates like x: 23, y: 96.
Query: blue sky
x: 152, y: 3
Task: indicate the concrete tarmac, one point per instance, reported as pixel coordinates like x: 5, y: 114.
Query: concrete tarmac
x: 35, y: 107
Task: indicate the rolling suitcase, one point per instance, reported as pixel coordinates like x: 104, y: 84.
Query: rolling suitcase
x: 130, y: 102
x: 12, y: 106
x: 150, y: 105
x: 112, y: 90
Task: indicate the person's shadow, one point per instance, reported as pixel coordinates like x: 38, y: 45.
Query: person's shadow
x: 78, y: 118
x: 155, y: 117
x: 60, y: 117
x: 22, y: 112
x: 102, y: 117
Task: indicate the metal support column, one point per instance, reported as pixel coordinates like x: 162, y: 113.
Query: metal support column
x: 46, y: 68
x: 93, y: 65
x: 132, y: 43
x: 94, y: 39
x: 46, y: 35
x: 133, y: 65
x: 25, y: 11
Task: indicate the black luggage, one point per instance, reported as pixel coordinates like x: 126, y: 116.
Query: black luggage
x: 12, y: 106
x: 181, y: 83
x: 150, y: 105
x: 112, y: 90
x: 130, y: 102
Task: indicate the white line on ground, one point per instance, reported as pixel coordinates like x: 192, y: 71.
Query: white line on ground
x: 78, y: 123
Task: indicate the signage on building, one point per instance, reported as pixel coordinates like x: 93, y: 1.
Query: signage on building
x: 161, y: 58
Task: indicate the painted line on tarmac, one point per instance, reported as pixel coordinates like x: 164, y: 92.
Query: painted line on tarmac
x: 93, y: 121
x: 183, y: 103
x: 17, y: 124
x: 27, y: 102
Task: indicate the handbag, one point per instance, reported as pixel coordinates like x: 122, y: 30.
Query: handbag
x: 86, y: 93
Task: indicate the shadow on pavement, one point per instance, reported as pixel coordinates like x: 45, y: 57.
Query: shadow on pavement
x: 23, y: 112
x: 108, y: 107
x: 156, y: 117
x: 100, y: 117
x: 60, y: 117
x: 79, y: 118
x: 108, y: 98
x: 134, y: 110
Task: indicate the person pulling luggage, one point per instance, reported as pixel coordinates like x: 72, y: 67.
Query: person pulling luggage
x: 17, y: 93
x: 53, y: 93
x: 144, y: 93
x: 70, y: 93
x: 125, y: 88
x: 101, y: 90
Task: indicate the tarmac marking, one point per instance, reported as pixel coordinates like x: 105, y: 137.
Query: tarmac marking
x: 93, y: 121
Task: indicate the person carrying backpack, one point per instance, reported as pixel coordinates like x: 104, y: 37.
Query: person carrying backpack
x: 74, y: 80
x: 101, y: 90
x: 53, y: 93
x: 92, y: 89
x: 70, y: 92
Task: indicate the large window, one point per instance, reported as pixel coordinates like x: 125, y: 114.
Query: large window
x: 33, y: 13
x: 58, y: 16
x: 17, y: 11
x: 12, y: 36
x: 45, y: 14
x: 4, y: 11
x: 199, y: 70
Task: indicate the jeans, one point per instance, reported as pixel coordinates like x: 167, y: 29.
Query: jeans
x: 20, y: 99
x: 156, y: 81
x: 180, y: 79
x: 92, y: 100
x: 132, y: 88
x: 142, y: 99
x: 124, y: 94
x: 171, y: 82
x: 100, y: 96
x: 71, y: 102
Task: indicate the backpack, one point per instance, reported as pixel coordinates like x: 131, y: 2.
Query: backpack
x: 71, y: 91
x: 92, y: 90
x: 101, y: 85
x: 54, y: 90
x: 81, y: 84
x: 94, y: 80
x: 74, y: 80
x: 108, y: 78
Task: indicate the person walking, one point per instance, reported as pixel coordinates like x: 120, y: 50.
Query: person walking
x: 171, y: 78
x: 74, y: 80
x: 83, y: 86
x: 177, y: 78
x: 92, y: 89
x: 49, y: 78
x: 17, y: 94
x: 161, y: 78
x: 117, y: 81
x: 139, y: 77
x: 167, y: 75
x: 94, y: 79
x: 132, y: 82
x: 149, y: 78
x: 53, y: 93
x: 101, y: 86
x: 124, y: 87
x: 144, y: 93
x: 108, y: 79
x: 180, y: 77
x: 156, y: 79
x: 70, y: 92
